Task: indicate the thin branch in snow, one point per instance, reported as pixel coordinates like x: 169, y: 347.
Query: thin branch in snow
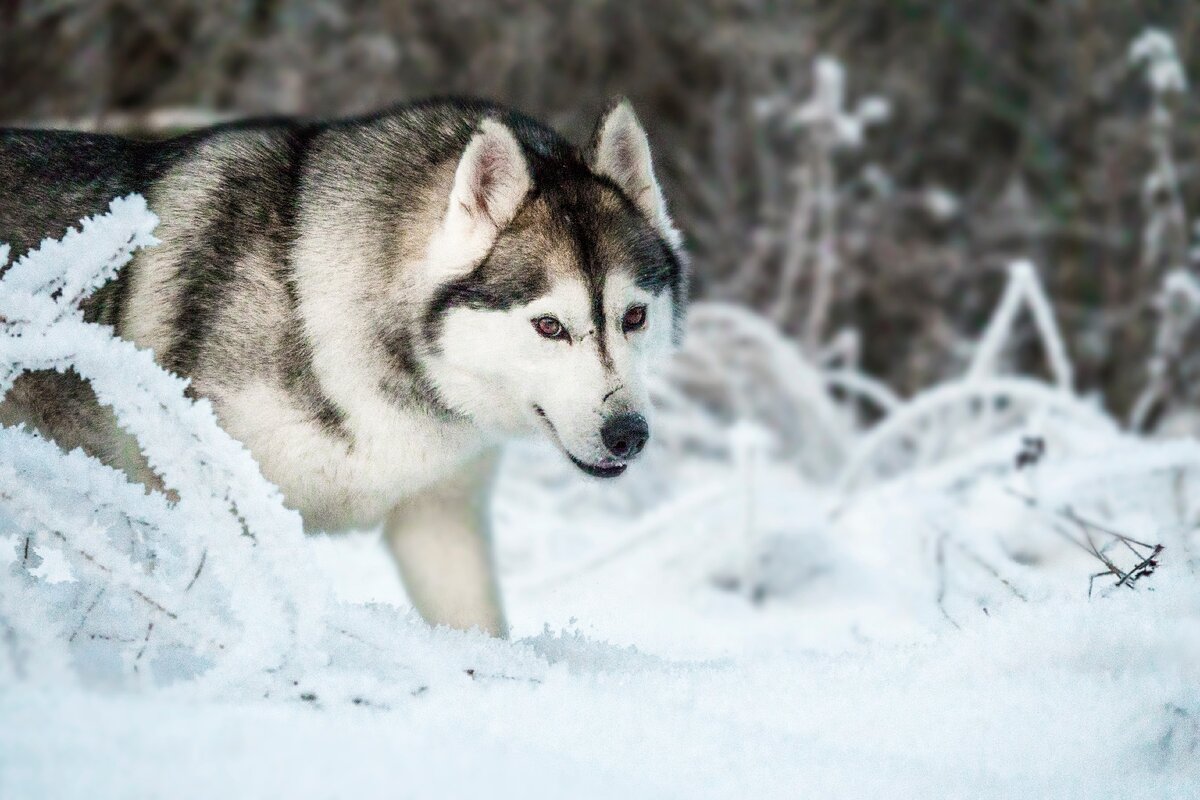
x: 939, y: 558
x: 990, y: 569
x: 1147, y: 554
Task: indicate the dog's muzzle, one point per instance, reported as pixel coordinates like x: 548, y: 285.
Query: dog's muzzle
x: 624, y: 436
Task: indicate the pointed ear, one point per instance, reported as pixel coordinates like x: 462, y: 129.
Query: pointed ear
x: 490, y: 183
x: 620, y: 151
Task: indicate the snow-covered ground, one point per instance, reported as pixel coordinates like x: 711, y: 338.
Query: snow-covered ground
x: 637, y: 679
x: 769, y: 609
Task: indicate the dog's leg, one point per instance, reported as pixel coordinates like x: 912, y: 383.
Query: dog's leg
x: 442, y: 543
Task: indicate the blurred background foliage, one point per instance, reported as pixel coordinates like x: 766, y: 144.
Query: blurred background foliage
x: 1017, y: 129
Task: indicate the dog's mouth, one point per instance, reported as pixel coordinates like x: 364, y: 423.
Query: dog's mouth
x: 605, y: 468
x: 601, y: 470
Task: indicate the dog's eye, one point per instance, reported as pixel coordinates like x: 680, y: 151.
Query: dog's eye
x: 635, y: 319
x: 550, y: 327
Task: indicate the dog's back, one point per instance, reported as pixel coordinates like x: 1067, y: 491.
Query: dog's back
x: 49, y: 180
x: 216, y: 300
x: 306, y: 272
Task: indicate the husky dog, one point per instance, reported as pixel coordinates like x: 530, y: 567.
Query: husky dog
x: 374, y: 305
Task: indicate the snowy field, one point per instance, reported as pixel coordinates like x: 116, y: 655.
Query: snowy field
x: 642, y: 677
x: 809, y: 588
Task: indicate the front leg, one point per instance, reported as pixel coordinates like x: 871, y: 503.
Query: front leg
x: 442, y: 543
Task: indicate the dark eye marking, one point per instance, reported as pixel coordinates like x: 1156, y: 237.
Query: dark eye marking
x: 634, y: 319
x: 550, y: 328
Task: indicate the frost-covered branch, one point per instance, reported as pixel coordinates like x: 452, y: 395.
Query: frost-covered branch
x: 121, y: 544
x: 736, y: 365
x: 1178, y: 305
x: 1023, y: 290
x: 828, y: 126
x: 1164, y: 236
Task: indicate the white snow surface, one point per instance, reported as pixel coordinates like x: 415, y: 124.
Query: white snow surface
x: 728, y: 620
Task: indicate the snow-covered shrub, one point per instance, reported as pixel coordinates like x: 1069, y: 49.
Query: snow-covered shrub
x: 736, y: 366
x: 811, y: 252
x: 954, y: 417
x: 1155, y: 50
x: 151, y: 589
x: 1164, y: 235
x: 1170, y: 402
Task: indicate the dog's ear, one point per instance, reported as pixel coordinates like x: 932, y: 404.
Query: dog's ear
x: 490, y: 183
x: 620, y: 151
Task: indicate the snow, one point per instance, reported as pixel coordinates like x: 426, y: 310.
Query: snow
x: 826, y: 108
x: 1008, y: 708
x: 764, y: 606
x: 1156, y: 50
x: 942, y: 204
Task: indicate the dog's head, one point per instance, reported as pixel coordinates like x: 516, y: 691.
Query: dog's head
x: 561, y: 286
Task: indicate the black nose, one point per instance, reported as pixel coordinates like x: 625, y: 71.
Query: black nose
x: 625, y: 434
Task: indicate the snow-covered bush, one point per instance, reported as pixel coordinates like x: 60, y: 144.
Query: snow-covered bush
x: 811, y: 254
x: 149, y: 589
x: 1168, y: 403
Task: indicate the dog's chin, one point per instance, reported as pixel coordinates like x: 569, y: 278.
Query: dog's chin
x: 605, y: 469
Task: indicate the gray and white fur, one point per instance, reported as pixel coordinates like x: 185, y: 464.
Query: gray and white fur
x: 374, y: 305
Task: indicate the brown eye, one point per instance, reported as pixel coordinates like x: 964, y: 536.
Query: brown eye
x: 550, y: 327
x: 635, y: 319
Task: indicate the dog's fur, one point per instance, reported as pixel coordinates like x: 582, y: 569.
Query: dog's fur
x: 361, y: 302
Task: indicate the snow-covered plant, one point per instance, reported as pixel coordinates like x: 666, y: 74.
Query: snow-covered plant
x: 1154, y: 50
x: 1164, y: 235
x: 1164, y: 245
x: 1023, y: 290
x: 825, y: 114
x: 828, y: 126
x: 149, y: 588
x: 1178, y: 305
x: 736, y: 366
x: 954, y: 417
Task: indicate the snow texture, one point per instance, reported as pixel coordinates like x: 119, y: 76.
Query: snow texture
x: 991, y: 591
